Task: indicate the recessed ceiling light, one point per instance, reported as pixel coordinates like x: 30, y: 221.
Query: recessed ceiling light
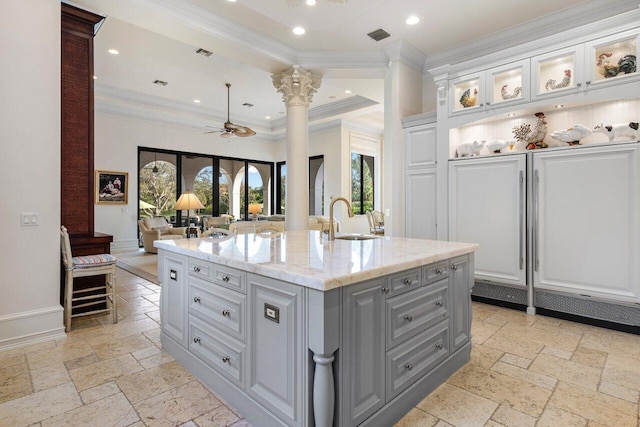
x: 559, y: 106
x: 197, y: 101
x: 412, y: 20
x: 232, y: 1
x: 113, y: 51
x: 267, y: 117
x: 311, y: 2
x: 347, y: 91
x: 511, y: 115
x: 299, y: 31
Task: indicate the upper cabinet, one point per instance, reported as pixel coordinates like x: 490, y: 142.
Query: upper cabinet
x: 599, y: 63
x: 496, y: 87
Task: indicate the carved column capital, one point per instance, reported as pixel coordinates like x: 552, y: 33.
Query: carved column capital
x: 296, y: 85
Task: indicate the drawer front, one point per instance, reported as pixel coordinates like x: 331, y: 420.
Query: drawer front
x: 222, y: 308
x: 416, y: 311
x: 200, y: 268
x: 222, y: 353
x: 415, y: 358
x: 434, y: 272
x: 404, y: 281
x: 230, y: 278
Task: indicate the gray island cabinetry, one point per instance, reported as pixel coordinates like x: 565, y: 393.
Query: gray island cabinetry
x: 294, y: 330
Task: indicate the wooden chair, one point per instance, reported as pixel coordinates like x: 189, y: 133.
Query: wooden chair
x: 83, y: 266
x: 375, y: 227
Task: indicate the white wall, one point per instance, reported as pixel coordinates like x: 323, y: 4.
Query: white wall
x: 117, y: 139
x: 30, y: 171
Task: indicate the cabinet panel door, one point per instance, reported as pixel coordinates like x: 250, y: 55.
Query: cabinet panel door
x: 460, y: 283
x: 173, y: 312
x: 586, y: 231
x: 557, y: 73
x: 487, y: 206
x: 420, y: 201
x: 466, y: 94
x: 364, y: 350
x: 420, y: 145
x: 508, y: 84
x: 275, y: 350
x: 609, y: 60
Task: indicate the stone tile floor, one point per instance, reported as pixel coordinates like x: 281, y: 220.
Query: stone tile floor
x: 524, y: 371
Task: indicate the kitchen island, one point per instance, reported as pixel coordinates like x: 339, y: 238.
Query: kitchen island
x: 293, y: 329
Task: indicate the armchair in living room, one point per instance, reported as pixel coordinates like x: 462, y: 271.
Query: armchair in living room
x: 157, y: 228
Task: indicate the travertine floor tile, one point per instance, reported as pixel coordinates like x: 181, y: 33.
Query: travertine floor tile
x: 113, y: 411
x: 417, y: 418
x: 513, y: 343
x: 482, y: 331
x: 146, y: 352
x: 176, y: 406
x: 58, y: 354
x: 566, y: 370
x: 619, y: 391
x: 512, y: 359
x: 595, y: 406
x: 509, y: 417
x: 12, y: 357
x: 103, y: 372
x: 555, y: 417
x: 151, y: 382
x: 119, y: 346
x: 218, y: 417
x: 457, y: 406
x: 497, y: 387
x: 590, y: 357
x: 49, y: 376
x: 556, y: 338
x: 15, y: 381
x: 622, y: 369
x: 39, y: 406
x: 99, y: 392
x: 485, y: 356
x: 526, y: 375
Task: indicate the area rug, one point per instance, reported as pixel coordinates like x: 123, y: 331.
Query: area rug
x: 140, y: 263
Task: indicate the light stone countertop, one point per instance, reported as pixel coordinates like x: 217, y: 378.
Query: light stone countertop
x: 308, y: 259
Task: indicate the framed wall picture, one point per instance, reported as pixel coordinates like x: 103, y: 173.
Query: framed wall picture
x: 111, y: 187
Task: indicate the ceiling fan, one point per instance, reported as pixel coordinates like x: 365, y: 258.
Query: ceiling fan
x: 296, y: 3
x: 230, y: 130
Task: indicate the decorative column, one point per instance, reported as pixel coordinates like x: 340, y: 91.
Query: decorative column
x: 297, y: 87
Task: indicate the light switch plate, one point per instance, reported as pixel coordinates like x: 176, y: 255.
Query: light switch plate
x: 28, y: 219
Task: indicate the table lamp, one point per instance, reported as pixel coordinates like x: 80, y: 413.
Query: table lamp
x: 188, y: 200
x: 255, y: 209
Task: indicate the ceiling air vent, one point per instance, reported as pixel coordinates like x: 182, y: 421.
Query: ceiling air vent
x: 379, y: 34
x: 203, y: 52
x: 160, y: 82
x: 246, y: 104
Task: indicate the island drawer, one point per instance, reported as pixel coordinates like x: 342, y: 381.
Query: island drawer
x: 404, y: 281
x: 200, y: 268
x: 413, y: 359
x: 434, y: 272
x: 411, y: 313
x: 221, y: 307
x: 230, y: 278
x: 220, y: 352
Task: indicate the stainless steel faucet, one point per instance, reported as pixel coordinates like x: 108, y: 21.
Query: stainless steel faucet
x: 332, y: 233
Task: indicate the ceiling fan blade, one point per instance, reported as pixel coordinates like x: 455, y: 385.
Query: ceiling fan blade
x: 227, y: 135
x: 244, y: 131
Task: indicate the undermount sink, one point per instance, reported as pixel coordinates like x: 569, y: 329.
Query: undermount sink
x: 356, y: 237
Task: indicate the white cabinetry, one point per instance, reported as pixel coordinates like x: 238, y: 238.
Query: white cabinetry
x: 420, y: 181
x: 173, y: 311
x: 586, y: 225
x: 487, y: 206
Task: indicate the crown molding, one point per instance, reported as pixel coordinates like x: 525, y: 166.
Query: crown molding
x: 360, y: 60
x: 567, y: 24
x: 406, y: 53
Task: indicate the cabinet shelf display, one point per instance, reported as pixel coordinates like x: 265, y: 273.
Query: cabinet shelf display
x: 615, y: 59
x: 507, y: 85
x: 556, y: 74
x: 466, y: 94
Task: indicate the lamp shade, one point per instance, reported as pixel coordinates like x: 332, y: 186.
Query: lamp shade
x: 255, y: 208
x: 188, y: 200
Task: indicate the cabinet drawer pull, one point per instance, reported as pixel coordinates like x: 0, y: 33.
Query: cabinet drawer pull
x: 385, y: 290
x: 408, y: 366
x: 408, y: 281
x: 196, y: 269
x: 196, y: 340
x: 439, y: 346
x: 226, y: 312
x: 439, y: 303
x: 438, y: 271
x: 225, y: 278
x: 454, y: 267
x: 226, y: 359
x: 408, y: 317
x: 196, y: 299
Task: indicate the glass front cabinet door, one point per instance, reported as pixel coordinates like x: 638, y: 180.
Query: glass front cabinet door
x: 612, y: 59
x: 508, y: 84
x: 466, y: 94
x: 557, y: 73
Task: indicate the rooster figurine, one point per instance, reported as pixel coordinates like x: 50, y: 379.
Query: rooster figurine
x: 506, y: 95
x: 626, y: 65
x: 466, y: 100
x: 552, y: 85
x: 573, y: 135
x: 534, y: 138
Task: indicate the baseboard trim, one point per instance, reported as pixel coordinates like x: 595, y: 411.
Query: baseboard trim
x: 31, y: 327
x: 122, y: 245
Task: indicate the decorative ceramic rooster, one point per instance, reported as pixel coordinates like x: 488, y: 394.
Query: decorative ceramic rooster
x: 552, y: 85
x: 466, y: 100
x: 626, y: 65
x: 506, y: 95
x: 573, y: 135
x: 534, y: 138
